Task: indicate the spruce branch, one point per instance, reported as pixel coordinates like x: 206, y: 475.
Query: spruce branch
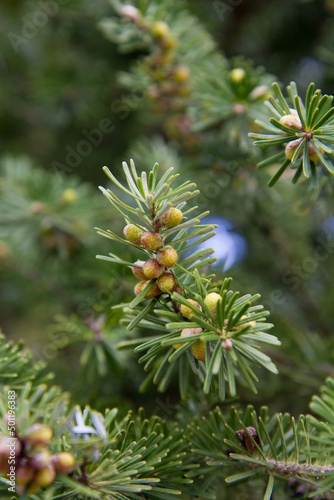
x: 244, y: 445
x: 305, y: 128
x: 219, y: 332
x: 62, y: 451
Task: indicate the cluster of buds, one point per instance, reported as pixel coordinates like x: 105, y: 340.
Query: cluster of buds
x: 165, y: 257
x: 292, y: 120
x: 239, y: 80
x: 29, y: 464
x: 211, y: 301
x: 171, y: 79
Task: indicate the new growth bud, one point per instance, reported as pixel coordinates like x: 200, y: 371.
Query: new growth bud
x: 38, y: 434
x: 155, y: 290
x: 292, y: 121
x: 167, y: 281
x: 160, y: 29
x: 186, y: 311
x: 291, y: 147
x: 151, y: 241
x: 187, y: 332
x: 132, y: 233
x: 138, y: 271
x: 181, y: 73
x: 152, y: 269
x: 211, y: 301
x: 45, y: 476
x: 69, y: 196
x: 131, y: 13
x: 41, y: 457
x: 313, y: 154
x: 172, y: 218
x: 167, y: 257
x: 237, y: 75
x: 63, y: 462
x: 198, y: 349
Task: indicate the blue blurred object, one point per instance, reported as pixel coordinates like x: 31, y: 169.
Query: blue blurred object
x: 230, y: 247
x: 329, y: 227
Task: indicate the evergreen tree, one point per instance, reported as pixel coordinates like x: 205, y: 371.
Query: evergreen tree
x: 147, y: 374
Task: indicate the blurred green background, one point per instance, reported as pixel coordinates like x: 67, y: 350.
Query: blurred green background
x: 69, y: 104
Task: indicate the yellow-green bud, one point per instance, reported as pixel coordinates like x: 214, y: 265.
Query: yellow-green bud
x: 151, y: 241
x: 160, y: 29
x: 132, y: 233
x: 181, y: 73
x: 187, y: 311
x: 45, y: 477
x: 69, y: 196
x: 313, y: 154
x: 155, y: 290
x: 198, y: 350
x: 172, y: 218
x: 237, y: 75
x: 152, y: 269
x: 211, y: 301
x: 167, y: 257
x: 168, y: 281
x: 38, y: 434
x: 63, y: 462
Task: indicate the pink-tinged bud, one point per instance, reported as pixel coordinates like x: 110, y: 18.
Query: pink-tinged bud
x: 138, y: 271
x: 38, y: 434
x: 41, y: 458
x: 155, y: 290
x: 45, y: 477
x: 227, y: 344
x: 167, y: 257
x: 151, y: 241
x: 313, y: 154
x: 187, y: 332
x: 132, y: 233
x: 24, y: 473
x: 292, y: 121
x: 130, y: 12
x: 187, y: 311
x: 8, y: 447
x: 63, y: 462
x: 167, y: 281
x: 259, y: 92
x: 152, y: 269
x: 239, y: 108
x: 291, y: 147
x: 172, y: 217
x: 37, y: 207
